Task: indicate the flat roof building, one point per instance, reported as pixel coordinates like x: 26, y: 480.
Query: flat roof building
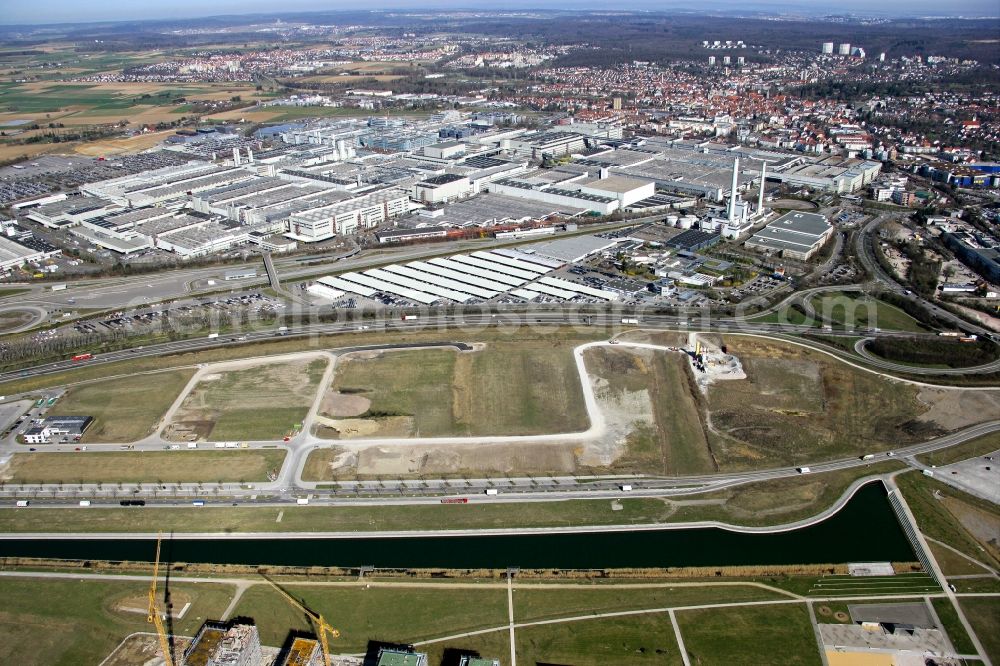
x: 398, y: 657
x: 794, y: 235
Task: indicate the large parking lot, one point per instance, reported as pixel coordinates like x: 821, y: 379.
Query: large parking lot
x: 979, y: 476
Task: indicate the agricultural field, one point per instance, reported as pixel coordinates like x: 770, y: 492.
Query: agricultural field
x: 96, y: 103
x: 125, y: 409
x: 798, y: 405
x: 752, y: 635
x: 853, y: 310
x: 68, y: 622
x: 648, y: 396
x: 257, y: 401
x: 142, y: 467
x: 520, y: 388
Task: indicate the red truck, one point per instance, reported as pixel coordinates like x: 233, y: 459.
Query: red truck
x: 82, y: 357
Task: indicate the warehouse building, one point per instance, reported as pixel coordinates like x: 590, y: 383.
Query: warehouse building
x: 554, y: 144
x: 442, y: 188
x: 407, y: 235
x: 794, y: 235
x: 348, y: 217
x: 56, y: 427
x: 15, y: 252
x: 977, y: 251
x: 627, y: 190
x: 70, y: 212
x: 558, y: 196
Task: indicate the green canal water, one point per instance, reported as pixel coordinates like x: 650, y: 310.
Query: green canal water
x: 865, y: 529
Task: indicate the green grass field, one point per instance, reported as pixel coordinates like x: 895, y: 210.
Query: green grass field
x: 126, y: 409
x: 800, y: 406
x: 843, y: 585
x: 167, y: 467
x: 785, y: 315
x: 541, y: 604
x: 629, y: 641
x: 520, y: 388
x: 980, y: 446
x: 262, y: 402
x: 72, y: 622
x: 853, y: 310
x: 388, y: 614
x: 984, y: 616
x: 953, y: 564
x: 753, y: 635
x: 953, y: 626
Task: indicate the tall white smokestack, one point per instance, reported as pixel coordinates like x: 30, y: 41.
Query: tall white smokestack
x: 249, y: 156
x: 732, y: 192
x: 236, y: 156
x: 760, y: 195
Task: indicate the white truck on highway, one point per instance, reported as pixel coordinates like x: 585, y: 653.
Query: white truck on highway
x: 22, y: 503
x: 212, y: 336
x: 492, y: 491
x: 630, y: 320
x: 626, y: 488
x: 302, y: 501
x: 803, y: 470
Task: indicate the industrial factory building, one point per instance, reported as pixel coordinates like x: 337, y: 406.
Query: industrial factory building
x: 793, y: 235
x: 476, y: 277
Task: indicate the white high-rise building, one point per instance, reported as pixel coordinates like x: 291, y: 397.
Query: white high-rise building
x: 828, y: 48
x: 711, y: 61
x: 844, y: 50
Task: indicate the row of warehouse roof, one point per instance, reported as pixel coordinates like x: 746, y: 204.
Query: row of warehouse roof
x: 462, y: 278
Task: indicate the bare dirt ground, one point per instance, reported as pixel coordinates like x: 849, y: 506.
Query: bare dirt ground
x: 384, y: 426
x: 625, y: 410
x: 15, y: 319
x: 952, y: 410
x: 336, y: 404
x: 429, y: 461
x: 984, y: 526
x: 793, y: 204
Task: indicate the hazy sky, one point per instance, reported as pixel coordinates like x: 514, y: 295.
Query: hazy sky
x: 59, y: 11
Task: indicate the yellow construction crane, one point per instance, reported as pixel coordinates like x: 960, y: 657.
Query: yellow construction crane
x: 153, y: 615
x: 322, y: 628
